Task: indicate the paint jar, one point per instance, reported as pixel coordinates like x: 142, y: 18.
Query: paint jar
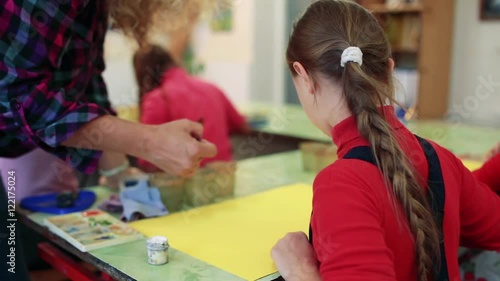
x: 325, y: 157
x: 223, y: 176
x: 171, y: 190
x: 201, y: 189
x: 308, y: 151
x: 158, y: 250
x: 316, y: 156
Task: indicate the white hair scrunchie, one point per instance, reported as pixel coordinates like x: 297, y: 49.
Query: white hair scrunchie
x: 353, y: 54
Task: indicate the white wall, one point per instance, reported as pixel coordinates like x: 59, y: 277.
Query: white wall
x: 228, y: 55
x: 119, y: 73
x: 475, y: 80
x: 268, y: 67
x: 248, y: 62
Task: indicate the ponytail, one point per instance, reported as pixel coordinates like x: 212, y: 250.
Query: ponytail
x: 150, y: 64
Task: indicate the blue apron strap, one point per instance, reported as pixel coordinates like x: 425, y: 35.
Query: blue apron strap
x: 436, y: 194
x: 436, y: 197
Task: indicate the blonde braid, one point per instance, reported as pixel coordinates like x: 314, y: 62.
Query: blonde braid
x: 395, y: 167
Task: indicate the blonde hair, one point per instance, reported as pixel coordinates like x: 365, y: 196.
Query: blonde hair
x: 140, y: 18
x: 326, y: 29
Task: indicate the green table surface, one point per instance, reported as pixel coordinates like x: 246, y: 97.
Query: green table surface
x: 285, y: 120
x: 131, y: 259
x: 290, y: 120
x: 266, y: 172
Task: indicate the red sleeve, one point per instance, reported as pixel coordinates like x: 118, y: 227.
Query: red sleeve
x: 479, y: 212
x: 489, y: 173
x: 347, y: 230
x: 154, y: 109
x: 235, y: 119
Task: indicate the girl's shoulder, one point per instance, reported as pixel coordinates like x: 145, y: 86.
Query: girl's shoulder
x: 353, y: 184
x: 353, y: 173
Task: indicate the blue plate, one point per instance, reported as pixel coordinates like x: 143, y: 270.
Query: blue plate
x: 48, y: 203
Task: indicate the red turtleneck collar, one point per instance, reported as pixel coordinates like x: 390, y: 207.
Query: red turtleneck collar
x: 346, y: 134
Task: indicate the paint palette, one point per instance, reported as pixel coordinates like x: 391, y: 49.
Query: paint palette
x: 91, y: 230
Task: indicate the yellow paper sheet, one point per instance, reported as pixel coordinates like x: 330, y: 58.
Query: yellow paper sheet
x: 472, y: 165
x: 237, y: 235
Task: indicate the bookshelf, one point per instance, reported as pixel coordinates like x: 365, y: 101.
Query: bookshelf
x: 420, y: 34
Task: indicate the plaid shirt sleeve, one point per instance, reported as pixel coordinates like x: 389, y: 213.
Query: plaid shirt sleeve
x: 50, y: 76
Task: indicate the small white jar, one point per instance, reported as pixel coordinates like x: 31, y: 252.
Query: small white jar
x: 157, y: 250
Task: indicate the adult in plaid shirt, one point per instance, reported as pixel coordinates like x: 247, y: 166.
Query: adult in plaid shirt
x: 53, y: 97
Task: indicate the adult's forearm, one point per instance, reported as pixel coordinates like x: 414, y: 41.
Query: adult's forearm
x: 174, y: 147
x: 109, y: 133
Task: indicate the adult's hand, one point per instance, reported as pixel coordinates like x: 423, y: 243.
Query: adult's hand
x: 295, y: 258
x: 177, y: 147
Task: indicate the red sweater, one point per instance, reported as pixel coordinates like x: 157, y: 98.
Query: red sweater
x: 357, y: 235
x: 489, y: 173
x: 181, y: 96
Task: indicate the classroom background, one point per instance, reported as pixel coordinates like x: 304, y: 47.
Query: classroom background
x: 447, y: 55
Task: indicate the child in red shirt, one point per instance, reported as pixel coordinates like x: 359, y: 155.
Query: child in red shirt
x: 168, y: 92
x: 485, y: 264
x: 489, y: 173
x: 372, y: 217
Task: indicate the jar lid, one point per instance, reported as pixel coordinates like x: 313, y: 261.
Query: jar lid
x: 158, y: 241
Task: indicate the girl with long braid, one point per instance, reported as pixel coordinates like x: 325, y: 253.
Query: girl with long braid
x: 394, y: 206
